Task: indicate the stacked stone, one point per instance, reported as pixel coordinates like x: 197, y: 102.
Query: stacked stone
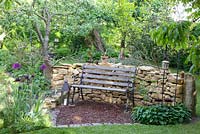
x: 152, y: 85
x: 155, y: 86
x: 104, y: 96
x: 64, y: 71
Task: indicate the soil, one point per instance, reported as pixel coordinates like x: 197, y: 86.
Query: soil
x: 86, y: 112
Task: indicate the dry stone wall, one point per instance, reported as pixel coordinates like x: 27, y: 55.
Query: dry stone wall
x: 152, y: 85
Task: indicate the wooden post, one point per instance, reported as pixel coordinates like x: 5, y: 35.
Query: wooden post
x: 190, y: 93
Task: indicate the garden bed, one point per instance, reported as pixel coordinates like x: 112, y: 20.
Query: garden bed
x: 89, y: 112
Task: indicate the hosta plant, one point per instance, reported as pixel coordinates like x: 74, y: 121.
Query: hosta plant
x: 161, y: 114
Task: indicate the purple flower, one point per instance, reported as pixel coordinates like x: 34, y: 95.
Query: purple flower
x: 43, y: 67
x: 16, y: 66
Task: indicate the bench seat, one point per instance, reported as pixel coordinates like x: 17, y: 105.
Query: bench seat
x: 99, y: 88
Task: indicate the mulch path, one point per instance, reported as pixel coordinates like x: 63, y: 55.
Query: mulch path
x: 86, y: 112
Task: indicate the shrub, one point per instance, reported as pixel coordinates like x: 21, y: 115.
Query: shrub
x: 112, y: 52
x: 61, y: 52
x: 23, y: 101
x: 91, y: 55
x: 1, y: 123
x: 161, y: 114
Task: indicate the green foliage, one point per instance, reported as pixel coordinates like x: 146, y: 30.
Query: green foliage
x: 7, y: 4
x: 1, y: 123
x: 181, y: 60
x: 145, y: 49
x: 22, y: 102
x: 5, y: 58
x: 161, y: 114
x: 180, y: 36
x: 23, y: 106
x: 25, y: 54
x: 68, y: 22
x: 194, y: 57
x: 111, y: 52
x: 123, y: 15
x: 72, y: 24
x: 62, y: 52
x: 140, y: 44
x: 173, y: 34
x: 91, y: 55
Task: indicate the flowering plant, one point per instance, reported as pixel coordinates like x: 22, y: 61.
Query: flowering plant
x: 43, y: 67
x: 24, y: 102
x: 16, y: 65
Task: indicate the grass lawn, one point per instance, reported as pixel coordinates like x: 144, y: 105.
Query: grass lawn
x: 192, y: 128
x: 125, y: 129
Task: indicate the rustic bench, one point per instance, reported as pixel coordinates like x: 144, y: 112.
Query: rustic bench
x: 107, y: 78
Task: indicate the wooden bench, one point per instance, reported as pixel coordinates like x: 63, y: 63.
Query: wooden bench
x: 107, y: 78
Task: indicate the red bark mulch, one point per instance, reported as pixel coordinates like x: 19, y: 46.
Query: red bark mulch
x: 92, y: 112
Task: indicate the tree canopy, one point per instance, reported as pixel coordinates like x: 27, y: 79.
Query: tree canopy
x: 90, y: 28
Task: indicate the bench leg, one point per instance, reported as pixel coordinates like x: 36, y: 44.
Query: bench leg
x: 62, y: 97
x: 73, y: 95
x: 82, y: 94
x: 127, y: 101
x: 68, y: 95
x: 133, y: 100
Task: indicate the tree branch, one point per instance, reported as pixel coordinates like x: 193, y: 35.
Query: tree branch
x: 37, y: 14
x: 16, y: 1
x: 39, y: 33
x: 47, y: 12
x: 43, y: 18
x: 195, y: 19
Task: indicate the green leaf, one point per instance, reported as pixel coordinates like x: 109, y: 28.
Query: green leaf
x: 58, y: 34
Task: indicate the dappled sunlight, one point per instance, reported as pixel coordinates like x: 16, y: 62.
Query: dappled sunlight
x: 77, y: 118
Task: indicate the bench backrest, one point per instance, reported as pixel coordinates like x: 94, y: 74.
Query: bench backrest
x: 104, y: 76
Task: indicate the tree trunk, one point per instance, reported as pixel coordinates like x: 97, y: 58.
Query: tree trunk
x: 44, y: 40
x: 98, y: 43
x: 122, y: 46
x: 48, y: 70
x: 190, y: 93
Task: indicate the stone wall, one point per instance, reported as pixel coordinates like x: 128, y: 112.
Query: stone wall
x: 149, y: 84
